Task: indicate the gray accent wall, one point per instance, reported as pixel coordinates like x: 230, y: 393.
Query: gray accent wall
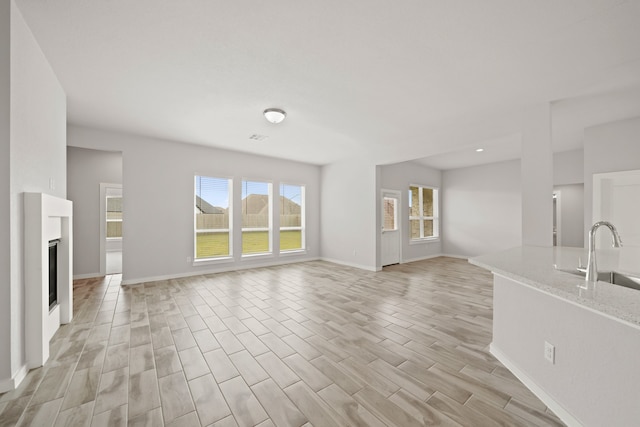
x: 482, y: 208
x: 571, y: 215
x: 568, y: 167
x: 86, y: 169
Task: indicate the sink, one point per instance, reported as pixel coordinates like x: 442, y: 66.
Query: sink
x: 612, y: 277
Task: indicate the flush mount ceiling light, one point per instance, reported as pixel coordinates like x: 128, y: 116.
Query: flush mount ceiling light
x: 479, y: 150
x: 274, y: 115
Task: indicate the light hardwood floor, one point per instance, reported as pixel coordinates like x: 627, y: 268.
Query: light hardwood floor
x: 298, y: 345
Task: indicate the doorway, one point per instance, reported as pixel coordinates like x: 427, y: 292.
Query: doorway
x: 616, y: 198
x: 391, y: 237
x: 111, y: 201
x: 557, y: 218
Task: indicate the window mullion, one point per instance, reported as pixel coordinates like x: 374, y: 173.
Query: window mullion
x: 420, y: 212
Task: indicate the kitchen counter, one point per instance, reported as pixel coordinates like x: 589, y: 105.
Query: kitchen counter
x: 574, y: 345
x: 536, y: 267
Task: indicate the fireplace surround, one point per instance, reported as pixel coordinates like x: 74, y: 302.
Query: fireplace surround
x: 47, y: 218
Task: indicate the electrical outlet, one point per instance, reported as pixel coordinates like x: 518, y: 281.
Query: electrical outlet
x: 550, y: 352
x: 188, y: 259
x: 52, y: 184
x: 355, y: 252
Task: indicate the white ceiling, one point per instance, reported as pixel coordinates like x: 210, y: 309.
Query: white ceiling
x: 392, y: 81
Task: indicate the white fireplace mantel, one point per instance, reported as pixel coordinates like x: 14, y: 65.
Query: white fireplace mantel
x: 46, y: 218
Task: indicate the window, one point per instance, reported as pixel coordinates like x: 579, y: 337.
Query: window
x: 390, y: 221
x: 114, y: 217
x: 423, y: 212
x: 256, y: 217
x: 291, y: 217
x: 213, y: 229
x: 212, y: 217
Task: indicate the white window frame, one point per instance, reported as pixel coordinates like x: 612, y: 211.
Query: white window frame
x: 421, y: 218
x: 303, y: 215
x: 269, y: 229
x: 215, y: 230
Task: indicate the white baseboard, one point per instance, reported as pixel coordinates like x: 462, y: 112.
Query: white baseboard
x: 551, y: 403
x: 221, y: 269
x: 12, y: 383
x: 455, y: 256
x: 87, y: 276
x: 350, y: 264
x: 234, y: 267
x: 404, y: 261
x: 422, y: 258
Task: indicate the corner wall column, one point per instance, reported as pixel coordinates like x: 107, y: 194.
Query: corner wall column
x: 537, y: 177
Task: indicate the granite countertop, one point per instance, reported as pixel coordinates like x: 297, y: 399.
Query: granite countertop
x: 536, y: 267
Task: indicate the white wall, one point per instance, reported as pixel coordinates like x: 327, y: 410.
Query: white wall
x: 349, y: 213
x: 158, y: 181
x: 37, y: 155
x: 609, y: 148
x: 482, y: 208
x: 595, y: 377
x: 5, y: 233
x: 568, y: 167
x: 86, y: 169
x: 398, y: 177
x: 571, y: 214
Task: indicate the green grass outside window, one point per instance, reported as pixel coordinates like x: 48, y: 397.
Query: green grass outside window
x: 211, y: 245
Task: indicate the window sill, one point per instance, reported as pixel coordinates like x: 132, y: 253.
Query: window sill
x: 424, y: 241
x: 294, y: 252
x: 211, y: 261
x: 261, y: 255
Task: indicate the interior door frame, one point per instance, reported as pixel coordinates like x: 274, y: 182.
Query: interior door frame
x: 103, y: 224
x: 600, y: 182
x: 397, y: 194
x: 602, y: 189
x: 557, y: 194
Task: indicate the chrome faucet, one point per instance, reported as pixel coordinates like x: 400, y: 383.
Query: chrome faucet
x: 592, y: 270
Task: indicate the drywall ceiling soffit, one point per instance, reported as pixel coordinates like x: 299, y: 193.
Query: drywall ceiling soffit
x: 354, y: 77
x: 614, y: 96
x: 495, y: 150
x: 572, y: 116
x: 569, y: 118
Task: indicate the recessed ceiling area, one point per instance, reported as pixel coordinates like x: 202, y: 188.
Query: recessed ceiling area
x: 413, y: 80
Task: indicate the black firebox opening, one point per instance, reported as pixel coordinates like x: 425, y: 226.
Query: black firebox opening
x: 53, y: 273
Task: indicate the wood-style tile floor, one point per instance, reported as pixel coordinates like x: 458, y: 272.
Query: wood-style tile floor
x: 297, y: 345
